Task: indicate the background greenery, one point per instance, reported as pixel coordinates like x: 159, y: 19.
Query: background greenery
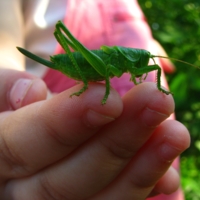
x: 176, y: 25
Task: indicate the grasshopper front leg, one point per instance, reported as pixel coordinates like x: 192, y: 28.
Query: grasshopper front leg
x: 145, y: 70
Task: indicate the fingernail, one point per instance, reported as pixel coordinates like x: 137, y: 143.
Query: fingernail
x: 168, y: 153
x: 95, y: 119
x: 152, y: 118
x: 19, y: 91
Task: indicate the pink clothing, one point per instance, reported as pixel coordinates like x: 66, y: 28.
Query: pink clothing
x: 110, y: 22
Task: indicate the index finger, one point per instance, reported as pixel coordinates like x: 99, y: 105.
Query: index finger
x: 42, y: 133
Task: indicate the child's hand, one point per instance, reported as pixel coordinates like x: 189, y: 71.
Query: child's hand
x: 75, y: 148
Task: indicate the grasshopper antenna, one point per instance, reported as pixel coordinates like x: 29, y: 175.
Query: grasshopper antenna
x: 187, y: 63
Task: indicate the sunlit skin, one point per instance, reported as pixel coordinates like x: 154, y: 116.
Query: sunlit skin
x: 79, y: 149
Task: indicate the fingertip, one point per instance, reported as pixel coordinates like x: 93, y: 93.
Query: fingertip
x: 146, y: 96
x: 177, y: 135
x: 99, y: 114
x: 26, y: 91
x: 169, y: 183
x: 84, y: 111
x: 113, y: 106
x: 92, y: 98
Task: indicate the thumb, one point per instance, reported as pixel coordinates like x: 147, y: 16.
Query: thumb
x: 18, y: 89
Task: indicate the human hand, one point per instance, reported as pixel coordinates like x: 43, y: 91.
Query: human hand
x: 75, y: 148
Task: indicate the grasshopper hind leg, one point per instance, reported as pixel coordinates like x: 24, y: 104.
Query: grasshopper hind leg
x: 65, y: 43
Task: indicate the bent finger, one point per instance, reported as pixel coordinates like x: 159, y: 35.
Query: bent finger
x: 150, y: 164
x: 49, y: 130
x: 168, y: 183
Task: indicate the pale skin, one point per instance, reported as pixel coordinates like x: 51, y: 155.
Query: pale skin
x: 75, y: 148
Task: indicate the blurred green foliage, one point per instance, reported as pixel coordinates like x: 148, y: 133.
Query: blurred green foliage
x: 176, y: 25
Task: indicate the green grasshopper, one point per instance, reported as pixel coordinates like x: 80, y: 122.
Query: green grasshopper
x: 97, y: 65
